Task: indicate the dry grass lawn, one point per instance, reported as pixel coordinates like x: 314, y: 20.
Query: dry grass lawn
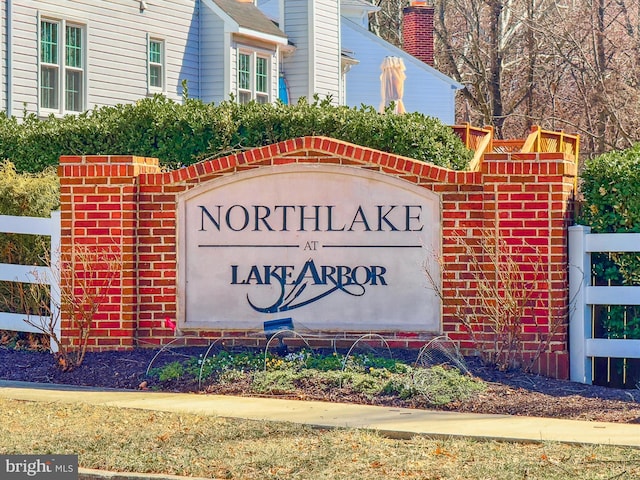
x: 153, y: 442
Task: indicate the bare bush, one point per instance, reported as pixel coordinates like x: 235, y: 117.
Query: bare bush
x: 81, y: 285
x: 498, y: 297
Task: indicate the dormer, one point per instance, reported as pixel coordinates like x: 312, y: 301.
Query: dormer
x: 240, y: 52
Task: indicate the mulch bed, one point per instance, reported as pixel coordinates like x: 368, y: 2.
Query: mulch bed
x: 513, y: 392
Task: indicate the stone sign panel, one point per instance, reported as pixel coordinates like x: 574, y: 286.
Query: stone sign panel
x: 332, y: 247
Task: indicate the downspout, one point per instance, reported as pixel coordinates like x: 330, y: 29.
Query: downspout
x: 9, y: 60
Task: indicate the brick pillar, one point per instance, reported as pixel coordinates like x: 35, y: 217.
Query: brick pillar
x: 417, y: 31
x: 528, y: 201
x: 99, y: 235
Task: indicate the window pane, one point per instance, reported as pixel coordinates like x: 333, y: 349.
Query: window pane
x: 73, y: 91
x: 155, y: 76
x: 155, y: 52
x: 244, y: 71
x: 244, y: 97
x: 48, y: 42
x: 73, y: 42
x: 261, y: 75
x: 49, y: 87
x: 262, y: 99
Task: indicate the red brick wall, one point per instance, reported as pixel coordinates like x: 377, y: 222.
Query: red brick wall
x: 127, y: 204
x: 417, y: 32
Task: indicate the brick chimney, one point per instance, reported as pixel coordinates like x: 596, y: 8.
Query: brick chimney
x: 417, y: 30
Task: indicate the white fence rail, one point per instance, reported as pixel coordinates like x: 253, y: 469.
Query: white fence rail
x: 583, y: 348
x: 32, y: 274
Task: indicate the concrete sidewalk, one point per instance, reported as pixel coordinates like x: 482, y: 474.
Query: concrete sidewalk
x: 393, y: 422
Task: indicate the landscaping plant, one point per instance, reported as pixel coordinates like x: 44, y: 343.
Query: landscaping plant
x: 85, y: 284
x: 611, y: 190
x: 494, y: 297
x: 362, y: 374
x: 24, y: 194
x: 181, y: 134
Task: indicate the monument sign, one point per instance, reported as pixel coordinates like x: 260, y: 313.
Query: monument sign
x: 332, y: 247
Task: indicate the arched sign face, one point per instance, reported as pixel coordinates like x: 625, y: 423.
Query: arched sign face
x: 332, y: 247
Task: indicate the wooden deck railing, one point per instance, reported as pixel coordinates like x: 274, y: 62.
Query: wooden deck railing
x: 544, y: 141
x: 481, y: 141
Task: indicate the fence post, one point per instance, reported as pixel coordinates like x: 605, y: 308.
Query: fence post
x: 579, y: 312
x: 55, y: 277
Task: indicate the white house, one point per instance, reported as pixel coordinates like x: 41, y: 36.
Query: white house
x: 69, y: 56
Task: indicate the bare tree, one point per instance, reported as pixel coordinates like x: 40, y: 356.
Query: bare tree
x: 491, y: 47
x: 387, y: 22
x: 561, y: 64
x: 599, y: 41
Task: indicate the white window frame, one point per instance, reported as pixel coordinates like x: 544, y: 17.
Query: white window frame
x: 252, y: 92
x: 61, y: 68
x: 151, y: 89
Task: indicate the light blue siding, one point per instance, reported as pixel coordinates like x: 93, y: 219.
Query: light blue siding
x: 425, y: 90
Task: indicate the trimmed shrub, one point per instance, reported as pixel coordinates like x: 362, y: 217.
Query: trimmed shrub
x: 182, y: 134
x: 611, y: 190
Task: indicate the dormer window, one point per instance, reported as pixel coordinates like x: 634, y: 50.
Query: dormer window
x: 253, y: 77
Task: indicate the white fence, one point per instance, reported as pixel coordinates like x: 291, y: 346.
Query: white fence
x: 582, y: 347
x: 32, y: 274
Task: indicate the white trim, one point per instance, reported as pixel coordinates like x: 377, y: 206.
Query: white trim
x: 228, y: 70
x: 262, y: 36
x: 281, y: 25
x: 9, y: 61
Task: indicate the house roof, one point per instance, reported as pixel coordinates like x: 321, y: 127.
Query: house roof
x: 249, y: 17
x: 398, y: 52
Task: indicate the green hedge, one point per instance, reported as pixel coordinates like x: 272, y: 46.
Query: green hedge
x: 611, y: 191
x: 181, y: 134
